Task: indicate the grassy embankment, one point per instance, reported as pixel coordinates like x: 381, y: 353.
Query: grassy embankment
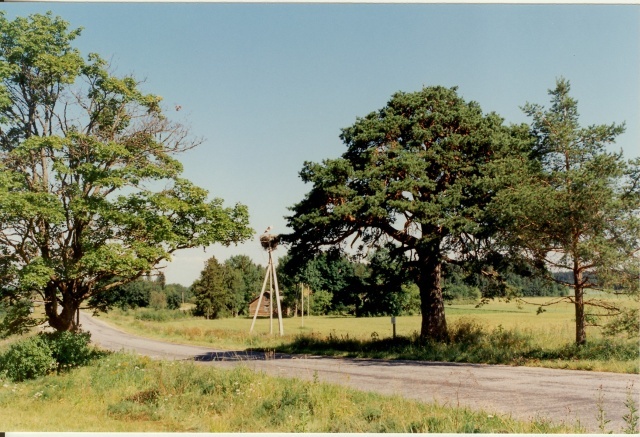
x: 124, y: 393
x: 497, y: 333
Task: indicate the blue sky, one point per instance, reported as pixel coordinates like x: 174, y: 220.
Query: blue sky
x: 269, y: 86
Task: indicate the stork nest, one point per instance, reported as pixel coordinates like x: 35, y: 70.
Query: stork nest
x: 268, y: 241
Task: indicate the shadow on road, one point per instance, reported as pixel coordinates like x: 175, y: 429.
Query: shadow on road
x: 239, y: 356
x: 236, y: 356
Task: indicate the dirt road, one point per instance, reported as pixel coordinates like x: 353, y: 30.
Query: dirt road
x: 522, y: 392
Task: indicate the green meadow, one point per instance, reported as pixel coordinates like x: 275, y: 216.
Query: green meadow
x: 498, y: 332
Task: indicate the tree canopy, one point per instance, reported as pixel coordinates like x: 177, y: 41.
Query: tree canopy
x: 415, y: 173
x: 91, y: 194
x: 225, y: 289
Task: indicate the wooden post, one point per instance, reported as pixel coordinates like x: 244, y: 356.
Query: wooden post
x: 273, y: 282
x: 302, y: 303
x: 270, y: 296
x: 264, y: 284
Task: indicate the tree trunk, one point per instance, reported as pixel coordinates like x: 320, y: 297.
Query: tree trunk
x: 61, y: 319
x: 65, y: 320
x: 581, y: 333
x: 434, y: 324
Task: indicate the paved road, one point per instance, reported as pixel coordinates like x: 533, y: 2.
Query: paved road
x: 522, y: 392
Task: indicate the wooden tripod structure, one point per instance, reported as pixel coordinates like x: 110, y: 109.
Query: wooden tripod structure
x: 273, y: 284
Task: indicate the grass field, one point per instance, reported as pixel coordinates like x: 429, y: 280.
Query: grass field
x: 552, y: 330
x: 556, y: 324
x: 124, y: 393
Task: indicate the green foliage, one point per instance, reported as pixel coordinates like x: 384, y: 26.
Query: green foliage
x: 163, y: 315
x: 77, y: 217
x: 417, y: 173
x: 341, y: 285
x: 174, y: 294
x: 142, y: 292
x: 226, y: 289
x: 28, y: 359
x: 383, y: 291
x: 330, y: 274
x: 631, y: 417
x: 628, y: 322
x: 576, y: 210
x: 321, y: 302
x: 456, y: 286
x: 213, y: 299
x: 38, y: 355
x: 16, y: 316
x: 244, y: 281
x: 158, y: 300
x: 70, y: 349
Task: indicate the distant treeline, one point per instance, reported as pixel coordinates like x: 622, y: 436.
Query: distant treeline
x: 147, y: 291
x: 334, y: 284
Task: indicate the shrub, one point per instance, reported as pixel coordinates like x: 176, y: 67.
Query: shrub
x: 38, y: 355
x: 28, y: 359
x: 165, y: 315
x: 69, y: 349
x: 174, y: 299
x: 158, y: 300
x: 321, y: 302
x: 467, y: 332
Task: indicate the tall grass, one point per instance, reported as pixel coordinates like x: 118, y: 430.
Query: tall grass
x: 471, y: 342
x: 122, y: 392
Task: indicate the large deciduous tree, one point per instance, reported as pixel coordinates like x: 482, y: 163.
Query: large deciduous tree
x: 91, y: 194
x: 579, y: 213
x: 414, y: 174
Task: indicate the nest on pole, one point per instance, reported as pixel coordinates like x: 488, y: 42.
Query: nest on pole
x: 269, y: 242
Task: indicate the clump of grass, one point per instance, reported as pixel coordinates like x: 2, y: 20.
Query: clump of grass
x: 471, y: 342
x: 122, y: 392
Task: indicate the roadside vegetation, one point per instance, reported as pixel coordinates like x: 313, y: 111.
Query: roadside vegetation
x: 495, y: 333
x: 124, y: 393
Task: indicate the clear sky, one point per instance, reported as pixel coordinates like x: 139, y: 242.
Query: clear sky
x: 269, y: 86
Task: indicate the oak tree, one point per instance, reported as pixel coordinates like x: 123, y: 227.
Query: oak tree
x: 91, y: 192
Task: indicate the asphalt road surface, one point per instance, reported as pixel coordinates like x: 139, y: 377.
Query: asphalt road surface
x: 521, y: 392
